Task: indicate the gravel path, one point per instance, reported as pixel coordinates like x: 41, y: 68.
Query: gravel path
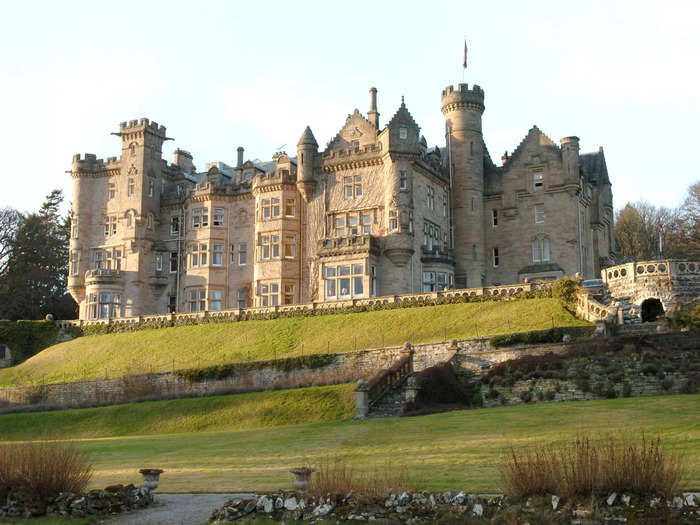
x: 175, y: 509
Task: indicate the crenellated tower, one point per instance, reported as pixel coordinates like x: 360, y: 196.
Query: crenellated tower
x: 462, y: 108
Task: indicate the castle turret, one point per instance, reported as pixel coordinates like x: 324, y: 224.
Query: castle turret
x: 307, y: 149
x: 463, y: 108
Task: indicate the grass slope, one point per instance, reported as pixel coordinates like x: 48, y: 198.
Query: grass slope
x: 209, y: 344
x: 454, y: 450
x: 231, y: 412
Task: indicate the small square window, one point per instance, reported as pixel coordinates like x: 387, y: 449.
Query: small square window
x: 403, y: 133
x: 538, y: 178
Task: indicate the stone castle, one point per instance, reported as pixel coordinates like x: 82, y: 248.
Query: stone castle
x: 376, y: 213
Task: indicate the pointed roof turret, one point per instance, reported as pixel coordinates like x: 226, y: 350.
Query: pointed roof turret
x: 307, y: 138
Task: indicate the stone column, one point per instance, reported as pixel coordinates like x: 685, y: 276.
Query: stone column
x: 411, y: 389
x: 361, y: 399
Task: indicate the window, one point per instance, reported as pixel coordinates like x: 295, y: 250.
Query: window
x: 495, y: 258
x: 289, y: 293
x: 74, y: 263
x: 538, y: 179
x: 219, y: 217
x: 494, y: 218
x: 366, y: 220
x: 179, y: 190
x: 339, y: 224
x: 130, y: 188
x: 216, y: 300
x: 74, y: 226
x: 290, y: 208
x: 373, y: 280
x: 172, y: 304
x: 431, y: 235
x: 275, y: 246
x: 264, y: 246
x: 403, y: 180
x: 104, y: 305
x: 241, y: 298
x: 217, y: 256
x: 539, y: 213
x: 151, y: 187
x: 403, y: 133
x: 410, y: 222
x: 197, y: 300
x: 473, y: 203
x: 344, y: 281
x: 290, y: 246
x: 393, y: 220
x: 269, y: 294
x: 149, y: 221
x: 159, y: 262
x: 129, y: 219
x: 111, y: 192
x: 355, y: 144
x: 200, y: 217
x: 444, y: 205
x: 173, y: 262
x: 117, y: 259
x: 174, y: 225
x: 232, y: 254
x: 352, y: 225
x: 97, y: 258
x: 431, y: 198
x: 473, y: 252
x: 540, y: 250
x: 242, y: 254
x: 436, y: 281
x: 270, y: 208
x: 352, y: 187
x: 198, y: 255
x: 110, y: 225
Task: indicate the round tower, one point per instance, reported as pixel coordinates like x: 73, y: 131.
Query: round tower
x: 463, y: 108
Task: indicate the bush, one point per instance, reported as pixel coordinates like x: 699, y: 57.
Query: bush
x: 667, y: 383
x: 650, y: 369
x: 626, y: 389
x: 526, y: 396
x: 586, y: 467
x: 43, y: 470
x: 549, y: 395
x: 26, y: 338
x: 566, y: 290
x: 337, y: 477
x: 553, y: 335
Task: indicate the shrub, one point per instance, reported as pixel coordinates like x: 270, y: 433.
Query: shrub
x: 526, y: 396
x: 626, y: 389
x: 43, y: 470
x: 549, y: 395
x: 566, y: 290
x: 337, y: 477
x: 492, y: 393
x: 583, y: 384
x: 667, y: 383
x: 587, y: 468
x: 553, y: 335
x: 650, y: 369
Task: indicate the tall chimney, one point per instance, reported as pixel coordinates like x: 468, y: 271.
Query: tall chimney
x: 372, y: 114
x: 239, y: 163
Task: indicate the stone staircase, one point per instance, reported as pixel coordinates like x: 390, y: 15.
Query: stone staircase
x: 638, y: 328
x: 390, y: 404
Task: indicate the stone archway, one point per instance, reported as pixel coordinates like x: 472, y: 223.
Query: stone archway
x: 651, y: 309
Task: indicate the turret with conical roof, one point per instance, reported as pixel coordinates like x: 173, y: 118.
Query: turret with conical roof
x: 307, y: 150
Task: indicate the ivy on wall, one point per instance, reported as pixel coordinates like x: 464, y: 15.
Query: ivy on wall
x: 26, y: 338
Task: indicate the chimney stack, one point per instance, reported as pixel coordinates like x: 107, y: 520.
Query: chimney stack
x: 372, y: 114
x: 239, y: 162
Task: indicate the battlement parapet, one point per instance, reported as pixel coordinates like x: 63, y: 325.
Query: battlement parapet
x: 142, y: 124
x: 273, y: 179
x: 87, y: 162
x: 183, y: 153
x: 461, y: 97
x: 358, y: 151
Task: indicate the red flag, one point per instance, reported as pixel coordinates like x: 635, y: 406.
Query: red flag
x: 464, y: 62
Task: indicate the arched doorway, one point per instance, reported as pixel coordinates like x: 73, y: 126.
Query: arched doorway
x: 651, y: 310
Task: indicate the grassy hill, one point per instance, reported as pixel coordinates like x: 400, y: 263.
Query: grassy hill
x: 209, y: 344
x: 454, y: 450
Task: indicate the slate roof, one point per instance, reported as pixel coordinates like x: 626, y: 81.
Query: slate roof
x: 593, y: 168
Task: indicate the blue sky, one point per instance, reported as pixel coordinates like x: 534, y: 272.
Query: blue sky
x: 621, y: 75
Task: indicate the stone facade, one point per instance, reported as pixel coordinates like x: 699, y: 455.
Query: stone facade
x: 376, y: 213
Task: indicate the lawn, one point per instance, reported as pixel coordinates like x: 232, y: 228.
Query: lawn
x: 454, y: 450
x: 209, y: 344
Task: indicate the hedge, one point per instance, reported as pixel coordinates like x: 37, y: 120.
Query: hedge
x: 286, y: 364
x: 26, y: 338
x: 553, y: 335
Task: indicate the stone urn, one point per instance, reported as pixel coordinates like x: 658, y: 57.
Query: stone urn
x: 150, y: 478
x: 302, y: 477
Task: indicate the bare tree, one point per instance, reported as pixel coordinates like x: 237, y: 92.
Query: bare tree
x: 10, y: 220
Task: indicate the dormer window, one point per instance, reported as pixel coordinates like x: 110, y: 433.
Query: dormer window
x: 538, y: 178
x: 403, y: 133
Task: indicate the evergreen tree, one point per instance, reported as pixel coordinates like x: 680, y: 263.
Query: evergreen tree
x: 35, y: 280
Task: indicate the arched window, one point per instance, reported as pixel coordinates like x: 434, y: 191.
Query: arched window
x: 540, y: 249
